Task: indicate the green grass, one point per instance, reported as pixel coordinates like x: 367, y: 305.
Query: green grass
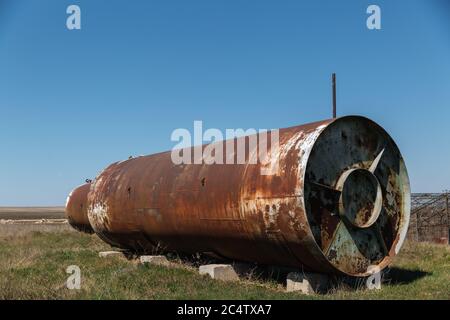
x: 32, y: 266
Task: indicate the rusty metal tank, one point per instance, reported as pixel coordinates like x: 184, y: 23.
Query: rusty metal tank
x: 76, y: 209
x: 339, y: 202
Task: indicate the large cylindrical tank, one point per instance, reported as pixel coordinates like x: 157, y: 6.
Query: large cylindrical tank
x: 339, y: 201
x: 76, y: 208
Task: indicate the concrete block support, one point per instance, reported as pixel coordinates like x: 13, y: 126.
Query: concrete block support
x: 107, y: 254
x: 224, y: 272
x: 155, y: 260
x: 307, y: 283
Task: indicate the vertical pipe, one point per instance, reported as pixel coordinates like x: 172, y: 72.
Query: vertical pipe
x: 333, y: 80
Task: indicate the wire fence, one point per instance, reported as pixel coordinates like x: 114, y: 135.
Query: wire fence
x: 430, y: 217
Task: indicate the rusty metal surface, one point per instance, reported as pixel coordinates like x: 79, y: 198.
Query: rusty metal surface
x: 339, y: 202
x: 76, y: 209
x: 358, y: 146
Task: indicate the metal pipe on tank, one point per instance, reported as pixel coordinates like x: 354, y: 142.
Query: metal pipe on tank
x: 339, y: 201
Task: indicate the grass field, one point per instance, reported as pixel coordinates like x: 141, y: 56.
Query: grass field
x: 33, y: 265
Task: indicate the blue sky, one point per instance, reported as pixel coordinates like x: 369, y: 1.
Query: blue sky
x: 71, y: 102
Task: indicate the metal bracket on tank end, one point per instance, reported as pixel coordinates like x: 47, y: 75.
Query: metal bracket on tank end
x: 360, y: 195
x: 376, y: 162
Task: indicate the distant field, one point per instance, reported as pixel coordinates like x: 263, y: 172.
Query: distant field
x: 17, y: 213
x: 34, y: 259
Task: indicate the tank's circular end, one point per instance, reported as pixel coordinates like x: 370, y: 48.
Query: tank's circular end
x: 76, y: 208
x: 357, y: 196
